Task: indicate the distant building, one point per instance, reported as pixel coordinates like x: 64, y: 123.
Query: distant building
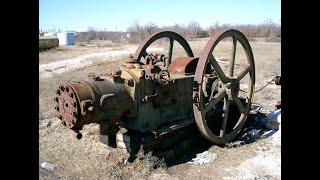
x: 66, y: 38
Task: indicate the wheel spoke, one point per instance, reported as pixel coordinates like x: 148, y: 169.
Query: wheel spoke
x: 170, y: 51
x: 243, y: 73
x: 225, y: 117
x: 233, y: 56
x: 214, y: 101
x: 241, y: 107
x: 218, y: 69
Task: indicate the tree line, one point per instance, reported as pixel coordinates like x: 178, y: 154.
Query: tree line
x: 137, y: 32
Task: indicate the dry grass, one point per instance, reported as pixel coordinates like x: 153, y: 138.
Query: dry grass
x: 93, y: 160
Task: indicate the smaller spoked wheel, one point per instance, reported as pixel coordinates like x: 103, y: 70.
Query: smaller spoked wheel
x: 172, y: 37
x: 220, y: 105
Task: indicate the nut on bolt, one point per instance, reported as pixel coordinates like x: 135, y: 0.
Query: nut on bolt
x: 62, y: 88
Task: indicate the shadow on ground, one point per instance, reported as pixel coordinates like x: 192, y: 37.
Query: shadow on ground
x: 252, y: 131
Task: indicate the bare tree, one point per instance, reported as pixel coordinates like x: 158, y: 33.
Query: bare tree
x: 91, y: 34
x: 193, y: 29
x: 214, y: 27
x: 137, y: 33
x: 180, y: 29
x: 151, y: 27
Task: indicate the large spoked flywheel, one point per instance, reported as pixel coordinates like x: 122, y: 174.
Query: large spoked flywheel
x: 221, y: 88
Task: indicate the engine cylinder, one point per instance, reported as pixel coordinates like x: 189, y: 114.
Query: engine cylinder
x: 80, y: 103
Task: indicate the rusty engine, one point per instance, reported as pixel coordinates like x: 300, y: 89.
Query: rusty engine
x: 160, y: 101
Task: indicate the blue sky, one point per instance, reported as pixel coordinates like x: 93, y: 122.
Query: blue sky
x: 118, y: 15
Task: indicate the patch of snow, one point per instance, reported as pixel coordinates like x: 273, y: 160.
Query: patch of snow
x: 202, y: 158
x: 266, y: 165
x: 263, y: 165
x: 276, y: 138
x: 273, y: 119
x: 268, y: 133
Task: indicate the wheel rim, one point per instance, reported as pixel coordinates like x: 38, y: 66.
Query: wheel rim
x: 229, y: 91
x: 141, y: 51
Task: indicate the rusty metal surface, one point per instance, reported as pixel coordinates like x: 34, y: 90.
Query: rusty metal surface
x: 67, y: 105
x: 80, y: 103
x: 72, y: 99
x: 183, y: 65
x: 228, y: 91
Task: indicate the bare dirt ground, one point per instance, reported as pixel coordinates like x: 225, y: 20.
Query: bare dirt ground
x: 89, y: 159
